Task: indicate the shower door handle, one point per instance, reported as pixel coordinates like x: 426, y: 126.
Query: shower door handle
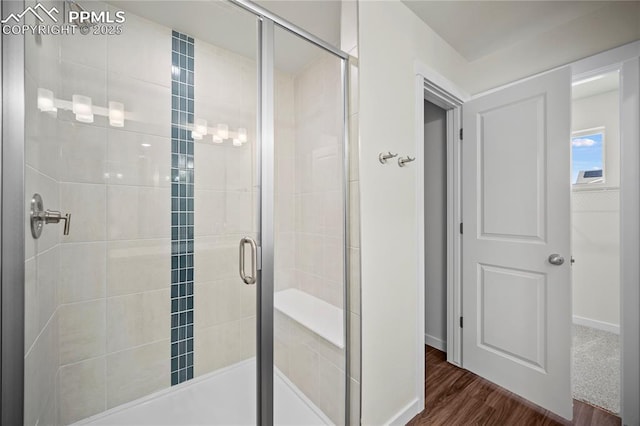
x: 249, y: 279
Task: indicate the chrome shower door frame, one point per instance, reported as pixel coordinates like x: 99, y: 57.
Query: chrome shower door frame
x: 12, y: 226
x: 266, y: 155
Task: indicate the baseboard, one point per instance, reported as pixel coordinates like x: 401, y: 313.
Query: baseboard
x: 407, y: 413
x: 599, y: 325
x: 435, y: 342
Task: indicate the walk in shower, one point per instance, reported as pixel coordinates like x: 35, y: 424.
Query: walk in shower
x: 186, y: 223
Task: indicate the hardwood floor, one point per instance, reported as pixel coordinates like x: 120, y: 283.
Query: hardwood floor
x: 458, y: 397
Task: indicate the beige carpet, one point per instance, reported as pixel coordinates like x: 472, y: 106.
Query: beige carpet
x: 596, y: 367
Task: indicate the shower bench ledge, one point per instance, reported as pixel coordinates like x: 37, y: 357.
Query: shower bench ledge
x: 315, y: 314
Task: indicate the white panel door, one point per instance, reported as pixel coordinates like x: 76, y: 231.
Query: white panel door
x: 516, y: 213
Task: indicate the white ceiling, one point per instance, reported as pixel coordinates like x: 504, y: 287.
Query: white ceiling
x: 227, y: 26
x: 479, y: 28
x: 591, y: 87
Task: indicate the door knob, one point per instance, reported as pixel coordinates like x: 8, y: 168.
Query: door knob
x: 556, y: 259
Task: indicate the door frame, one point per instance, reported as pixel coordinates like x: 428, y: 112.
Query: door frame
x: 626, y: 58
x: 433, y: 87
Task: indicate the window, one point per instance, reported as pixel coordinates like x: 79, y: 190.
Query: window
x: 587, y: 157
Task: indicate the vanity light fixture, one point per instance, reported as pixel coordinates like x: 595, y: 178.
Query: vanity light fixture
x: 82, y: 106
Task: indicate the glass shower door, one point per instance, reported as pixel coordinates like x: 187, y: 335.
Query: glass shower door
x: 145, y: 142
x: 310, y: 350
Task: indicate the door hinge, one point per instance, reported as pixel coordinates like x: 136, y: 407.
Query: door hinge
x: 461, y: 134
x: 461, y: 228
x: 461, y: 322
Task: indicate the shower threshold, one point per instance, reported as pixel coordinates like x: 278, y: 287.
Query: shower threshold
x: 224, y: 397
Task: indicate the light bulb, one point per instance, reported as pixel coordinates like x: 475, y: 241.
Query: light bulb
x: 82, y: 108
x: 242, y: 134
x: 217, y: 139
x: 200, y: 126
x: 223, y: 131
x: 46, y: 100
x: 116, y: 114
x: 236, y: 142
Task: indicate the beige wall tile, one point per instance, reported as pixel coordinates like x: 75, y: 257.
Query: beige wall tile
x: 40, y: 366
x: 248, y: 328
x: 82, y: 390
x: 41, y: 301
x: 86, y: 81
x: 136, y: 212
x: 210, y: 212
x: 138, y: 266
x: 285, y: 212
x: 138, y: 159
x: 218, y: 302
x: 82, y: 271
x: 87, y: 50
x: 137, y: 372
x: 210, y: 163
x: 309, y: 253
x: 82, y: 331
x: 137, y: 319
x: 87, y: 205
x: 219, y: 346
x: 50, y: 191
x: 147, y: 105
x: 331, y: 390
x: 41, y: 131
x: 142, y: 51
x: 83, y: 152
x: 31, y: 320
x: 216, y: 258
x: 333, y: 259
x: 303, y: 370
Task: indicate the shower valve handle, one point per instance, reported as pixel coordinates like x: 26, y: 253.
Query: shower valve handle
x: 54, y: 216
x: 41, y: 217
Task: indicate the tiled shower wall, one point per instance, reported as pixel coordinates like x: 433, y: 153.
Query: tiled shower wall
x: 42, y: 175
x: 115, y: 269
x: 225, y: 209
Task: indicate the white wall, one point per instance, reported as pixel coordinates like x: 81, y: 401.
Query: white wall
x: 390, y: 382
x: 596, y: 220
x: 435, y: 209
